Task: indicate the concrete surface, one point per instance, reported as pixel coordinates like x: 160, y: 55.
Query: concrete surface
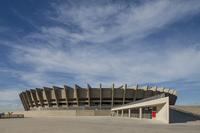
x: 180, y: 116
x: 187, y: 108
x: 90, y: 124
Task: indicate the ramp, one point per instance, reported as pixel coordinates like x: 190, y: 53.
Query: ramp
x: 180, y: 115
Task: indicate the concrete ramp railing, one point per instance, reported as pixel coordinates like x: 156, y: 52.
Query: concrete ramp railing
x: 143, y: 100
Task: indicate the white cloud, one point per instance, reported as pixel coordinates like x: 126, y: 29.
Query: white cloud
x: 57, y: 49
x: 134, y: 67
x: 81, y: 47
x: 100, y: 24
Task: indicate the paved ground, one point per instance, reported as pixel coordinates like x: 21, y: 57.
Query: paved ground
x: 93, y: 125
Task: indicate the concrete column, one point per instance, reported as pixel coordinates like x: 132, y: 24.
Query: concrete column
x: 66, y: 98
x: 117, y: 112
x: 113, y: 114
x: 135, y: 93
x: 25, y: 100
x: 124, y: 94
x: 112, y: 100
x: 100, y: 95
x: 140, y: 113
x: 28, y: 96
x: 146, y: 90
x: 129, y: 113
x: 56, y: 97
x: 88, y: 93
x: 76, y: 94
x: 46, y: 92
x: 122, y: 114
x: 34, y: 98
x: 40, y: 96
x: 156, y: 90
x: 23, y: 103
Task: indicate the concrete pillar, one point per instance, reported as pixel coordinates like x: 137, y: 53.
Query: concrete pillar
x: 140, y: 113
x: 117, y: 112
x: 46, y: 92
x: 113, y: 113
x: 88, y: 93
x: 28, y: 96
x: 146, y: 91
x: 56, y: 97
x: 76, y: 94
x: 129, y: 113
x: 25, y: 100
x: 40, y: 97
x: 135, y: 93
x: 33, y: 96
x: 112, y: 97
x: 156, y: 90
x: 23, y: 103
x: 122, y: 114
x: 66, y: 97
x: 124, y: 94
x: 100, y: 95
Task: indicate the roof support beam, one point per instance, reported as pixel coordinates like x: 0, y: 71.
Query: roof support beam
x: 33, y: 95
x: 124, y: 93
x: 88, y: 93
x: 112, y: 97
x: 156, y: 90
x: 135, y: 93
x: 100, y: 95
x: 40, y: 96
x: 146, y: 89
x: 66, y: 97
x: 56, y: 95
x: 29, y: 98
x: 46, y: 92
x: 25, y: 100
x: 76, y: 94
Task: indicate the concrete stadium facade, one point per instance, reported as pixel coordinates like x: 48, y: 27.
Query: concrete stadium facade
x: 89, y: 98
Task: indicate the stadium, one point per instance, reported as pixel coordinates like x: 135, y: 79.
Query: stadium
x: 89, y: 98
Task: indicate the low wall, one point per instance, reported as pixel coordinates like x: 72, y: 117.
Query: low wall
x: 62, y: 113
x: 191, y: 109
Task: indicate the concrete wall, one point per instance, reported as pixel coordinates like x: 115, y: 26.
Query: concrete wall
x: 63, y: 113
x: 163, y: 112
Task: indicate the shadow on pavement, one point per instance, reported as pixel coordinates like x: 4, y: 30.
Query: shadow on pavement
x: 180, y: 116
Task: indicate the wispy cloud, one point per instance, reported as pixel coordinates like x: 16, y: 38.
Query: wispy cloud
x: 58, y: 47
x: 104, y: 23
x: 149, y: 67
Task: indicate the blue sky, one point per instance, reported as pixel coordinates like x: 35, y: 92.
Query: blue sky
x: 49, y: 42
